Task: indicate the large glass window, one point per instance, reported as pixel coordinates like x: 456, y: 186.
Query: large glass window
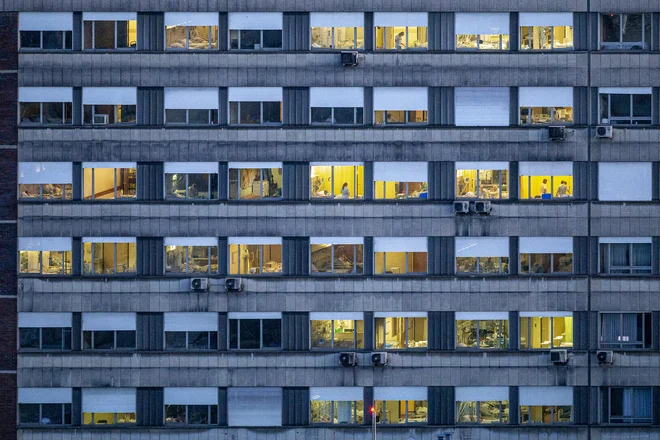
x: 109, y: 114
x: 402, y: 37
x: 255, y: 334
x: 46, y: 256
x: 400, y: 405
x: 482, y: 184
x: 337, y: 37
x: 193, y: 340
x: 482, y: 333
x: 400, y: 263
x: 191, y: 116
x: 191, y: 331
x: 626, y: 108
x: 626, y: 331
x: 482, y: 265
x: 400, y: 180
x: 255, y: 113
x: 108, y: 406
x: 629, y: 405
x: 547, y: 405
x: 401, y: 332
x: 549, y: 31
x: 546, y: 332
x: 186, y: 186
x: 625, y: 258
x: 546, y: 263
x: 337, y: 411
x: 546, y: 187
x: 255, y: 259
x: 547, y: 414
x: 337, y: 115
x: 44, y: 413
x: 108, y: 339
x: 45, y: 180
x: 101, y: 182
x: 482, y: 31
x: 482, y: 41
x: 46, y: 40
x: 337, y: 181
x: 191, y: 30
x: 625, y: 31
x: 45, y: 113
x: 253, y: 39
x: 545, y: 105
x: 336, y: 334
x: 482, y: 411
x: 108, y: 258
x: 46, y: 338
x: 400, y: 117
x: 482, y: 255
x: 255, y: 183
x: 341, y: 259
x: 191, y: 415
x: 109, y: 34
x: 46, y: 191
x: 183, y: 258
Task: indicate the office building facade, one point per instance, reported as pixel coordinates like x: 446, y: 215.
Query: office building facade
x: 261, y: 220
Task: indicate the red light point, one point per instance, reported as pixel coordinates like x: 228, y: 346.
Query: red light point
x: 372, y: 409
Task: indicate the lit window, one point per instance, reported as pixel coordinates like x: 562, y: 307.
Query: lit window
x: 545, y: 105
x: 547, y: 405
x: 340, y: 405
x: 482, y: 180
x: 255, y: 180
x: 400, y: 256
x: 546, y: 180
x: 191, y: 406
x: 45, y: 30
x: 482, y: 330
x: 44, y: 406
x: 191, y: 255
x: 629, y: 255
x: 338, y: 30
x: 191, y: 180
x: 628, y: 405
x: 45, y: 180
x: 625, y: 31
x: 401, y: 332
x: 482, y: 255
x: 255, y: 30
x: 341, y: 256
x: 401, y: 180
x: 108, y: 256
x: 626, y: 331
x: 482, y: 405
x: 546, y: 330
x: 546, y: 255
x: 255, y: 255
x: 108, y: 406
x: 109, y: 30
x: 341, y: 180
x: 191, y: 30
x: 109, y: 105
x: 109, y: 180
x: 482, y: 31
x: 401, y: 30
x: 46, y: 256
x: 255, y: 331
x: 255, y: 105
x: 400, y: 105
x: 398, y: 405
x: 546, y: 31
x: 336, y: 331
x: 630, y: 106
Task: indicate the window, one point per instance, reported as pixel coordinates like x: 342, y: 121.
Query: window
x: 45, y: 180
x: 45, y: 256
x: 191, y: 331
x: 482, y: 180
x: 625, y: 31
x: 255, y: 255
x: 625, y: 181
x: 548, y: 405
x: 338, y: 180
x: 191, y: 180
x: 401, y: 331
x: 626, y: 331
x: 44, y: 406
x: 631, y: 105
x: 255, y: 331
x: 254, y: 406
x: 255, y: 105
x: 108, y: 331
x: 255, y: 180
x: 482, y: 255
x: 482, y: 405
x: 546, y: 180
x: 401, y: 180
x: 108, y: 255
x: 191, y: 30
x: 255, y: 30
x: 546, y: 255
x: 400, y: 105
x: 45, y: 105
x: 401, y: 30
x: 397, y: 405
x: 546, y: 330
x: 44, y: 331
x: 109, y: 180
x: 108, y: 406
x: 545, y: 105
x: 336, y: 331
x: 191, y: 105
x: 482, y: 106
x: 629, y: 405
x: 400, y: 256
x: 482, y: 31
x: 546, y: 31
x: 482, y: 330
x: 109, y: 105
x: 337, y: 105
x: 191, y: 406
x: 337, y: 30
x: 338, y: 405
x: 339, y: 256
x: 625, y: 255
x: 109, y: 30
x: 191, y: 255
x: 45, y: 30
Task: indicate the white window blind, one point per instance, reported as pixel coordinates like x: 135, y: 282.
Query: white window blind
x: 192, y: 19
x: 481, y: 394
x: 336, y: 164
x: 254, y: 165
x: 482, y: 165
x: 401, y: 19
x: 545, y: 168
x: 625, y: 90
x: 190, y: 241
x: 191, y: 396
x: 337, y: 394
x: 255, y: 240
x: 401, y: 98
x: 530, y: 396
x: 43, y: 319
x: 401, y: 171
x: 191, y: 167
x: 546, y: 19
x: 254, y: 315
x: 255, y: 94
x: 45, y: 21
x: 109, y: 95
x: 481, y: 316
x: 336, y: 19
x: 108, y: 400
x: 545, y: 314
x: 482, y: 106
x: 191, y: 322
x: 108, y: 321
x: 482, y: 246
x: 45, y: 94
x: 400, y: 314
x: 109, y: 16
x: 44, y: 244
x: 627, y: 181
x: 625, y: 240
x: 109, y: 239
x: 328, y: 316
x: 45, y: 172
x: 400, y: 244
x: 336, y: 97
x: 109, y: 164
x: 201, y: 98
x: 546, y: 245
x: 336, y: 240
x: 400, y: 393
x: 45, y: 395
x: 255, y: 20
x: 484, y: 23
x: 254, y: 406
x: 545, y: 96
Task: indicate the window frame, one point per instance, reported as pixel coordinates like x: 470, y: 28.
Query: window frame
x: 261, y: 189
x: 526, y: 119
x: 383, y: 404
x: 114, y: 347
x: 407, y: 337
x: 63, y: 332
x: 188, y: 198
x: 114, y: 273
x: 478, y: 184
x: 407, y: 196
x: 417, y: 49
x: 620, y: 120
x: 332, y: 263
x: 356, y: 119
x: 332, y: 337
x: 552, y: 264
x: 332, y: 196
x: 610, y: 46
x: 553, y: 412
x: 211, y: 410
x: 333, y: 404
x: 115, y: 197
x: 187, y: 48
x: 211, y: 337
x: 116, y: 111
x: 627, y: 345
x: 66, y: 268
x: 384, y: 122
x: 66, y: 110
x: 188, y: 257
x: 530, y: 331
x: 261, y: 334
x: 67, y: 190
x: 67, y: 36
x: 406, y: 273
x: 479, y: 39
x: 478, y: 403
x: 63, y: 410
x: 93, y: 31
x: 261, y: 39
x: 115, y: 422
x: 332, y: 36
x: 552, y: 39
x: 478, y: 347
x: 478, y: 267
x: 627, y: 420
x: 261, y: 272
x: 605, y: 266
x: 551, y: 184
x: 210, y: 118
x: 261, y: 114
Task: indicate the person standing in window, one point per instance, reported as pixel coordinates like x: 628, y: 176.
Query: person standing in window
x: 345, y: 193
x: 562, y: 189
x: 544, y: 187
x: 398, y: 40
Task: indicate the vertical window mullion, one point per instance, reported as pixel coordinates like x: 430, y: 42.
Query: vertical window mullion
x: 332, y: 182
x: 93, y: 35
x: 187, y: 256
x: 261, y: 185
x: 187, y: 37
x: 406, y: 272
x: 332, y: 258
x: 238, y: 334
x: 261, y: 334
x: 115, y: 24
x: 261, y: 107
x: 405, y: 322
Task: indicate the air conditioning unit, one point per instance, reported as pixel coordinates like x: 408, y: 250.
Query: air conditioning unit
x: 461, y: 207
x: 557, y: 133
x: 349, y: 58
x: 605, y: 357
x: 234, y: 284
x: 199, y: 284
x: 348, y: 359
x: 559, y: 356
x: 379, y: 359
x: 100, y: 120
x: 483, y: 207
x: 604, y: 131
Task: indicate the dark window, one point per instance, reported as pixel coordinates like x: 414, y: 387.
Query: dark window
x: 618, y: 108
x: 255, y: 113
x: 48, y: 338
x: 29, y: 337
x: 252, y: 39
x: 191, y: 414
x: 44, y: 414
x: 47, y: 40
x: 625, y: 258
x: 626, y: 31
x: 191, y: 340
x: 30, y: 39
x: 626, y: 331
x: 337, y: 115
x: 630, y: 405
x: 109, y: 339
x: 255, y: 334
